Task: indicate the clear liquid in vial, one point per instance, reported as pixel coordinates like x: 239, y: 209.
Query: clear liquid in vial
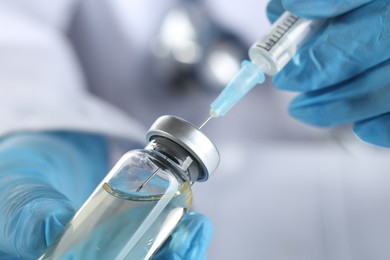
x: 116, y: 225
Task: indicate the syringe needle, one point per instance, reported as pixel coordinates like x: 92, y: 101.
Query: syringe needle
x: 147, y: 180
x: 205, y: 122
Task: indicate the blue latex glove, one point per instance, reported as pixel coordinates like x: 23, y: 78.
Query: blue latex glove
x: 344, y: 70
x: 45, y: 177
x: 189, y: 240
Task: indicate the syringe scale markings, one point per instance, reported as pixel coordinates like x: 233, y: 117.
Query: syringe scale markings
x: 278, y: 33
x: 268, y: 56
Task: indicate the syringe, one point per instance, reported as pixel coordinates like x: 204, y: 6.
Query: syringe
x: 268, y: 56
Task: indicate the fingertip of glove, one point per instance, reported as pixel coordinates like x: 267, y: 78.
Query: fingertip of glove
x: 201, y: 226
x: 274, y: 10
x: 321, y: 9
x: 279, y: 81
x: 311, y: 9
x: 198, y: 218
x: 39, y: 223
x: 293, y: 77
x: 301, y: 108
x: 189, y: 240
x: 374, y: 131
x: 303, y: 114
x: 55, y: 222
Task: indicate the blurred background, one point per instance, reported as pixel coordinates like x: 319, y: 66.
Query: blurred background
x: 284, y: 190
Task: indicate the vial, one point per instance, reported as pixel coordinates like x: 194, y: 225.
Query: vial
x: 141, y: 200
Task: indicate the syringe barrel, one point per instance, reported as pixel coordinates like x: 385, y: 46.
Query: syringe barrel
x: 277, y: 47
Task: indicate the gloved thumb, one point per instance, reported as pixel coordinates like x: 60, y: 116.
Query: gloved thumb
x: 37, y: 179
x: 33, y: 215
x: 189, y: 240
x: 374, y: 130
x: 321, y: 8
x: 274, y: 10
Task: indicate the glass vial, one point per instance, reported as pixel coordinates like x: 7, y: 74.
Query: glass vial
x: 142, y: 199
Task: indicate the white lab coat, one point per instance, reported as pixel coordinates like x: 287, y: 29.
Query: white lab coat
x: 42, y: 84
x: 284, y: 191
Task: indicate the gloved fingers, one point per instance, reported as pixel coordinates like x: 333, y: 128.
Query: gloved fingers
x: 32, y: 214
x: 374, y: 130
x: 362, y: 97
x: 73, y: 163
x: 343, y: 48
x: 43, y: 178
x: 321, y: 8
x: 312, y: 9
x: 189, y: 240
x: 4, y: 256
x: 274, y: 10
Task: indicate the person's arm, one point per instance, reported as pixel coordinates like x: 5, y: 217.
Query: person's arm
x: 343, y: 71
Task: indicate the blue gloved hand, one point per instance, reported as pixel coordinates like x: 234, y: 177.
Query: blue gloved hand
x: 344, y: 70
x: 189, y: 240
x: 45, y: 177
